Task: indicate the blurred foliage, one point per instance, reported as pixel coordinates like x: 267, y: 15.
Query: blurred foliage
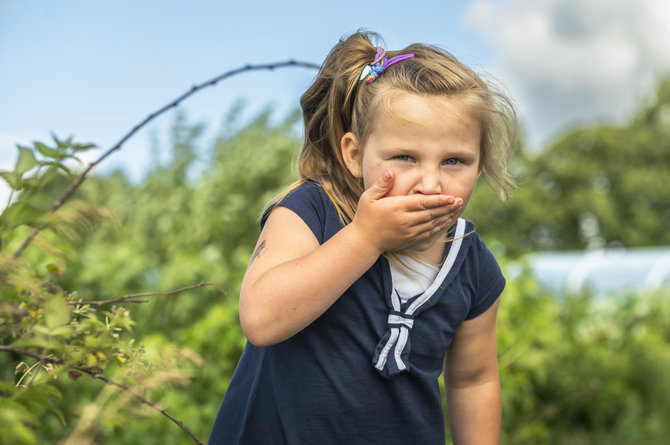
x: 49, y: 335
x: 594, y: 187
x: 193, y: 219
x: 574, y: 369
x: 584, y: 370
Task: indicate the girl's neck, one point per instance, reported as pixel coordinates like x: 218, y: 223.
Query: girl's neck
x: 434, y: 254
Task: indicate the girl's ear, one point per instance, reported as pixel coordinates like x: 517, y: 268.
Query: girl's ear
x: 352, y: 154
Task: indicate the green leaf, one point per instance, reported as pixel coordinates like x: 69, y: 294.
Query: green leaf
x: 57, y: 165
x: 56, y: 268
x: 46, y: 177
x: 56, y: 312
x: 26, y: 160
x: 61, y: 331
x: 12, y: 179
x: 30, y: 182
x: 91, y: 360
x: 82, y: 147
x: 62, y: 144
x: 38, y: 397
x: 18, y: 423
x: 49, y: 152
x: 43, y: 341
x: 19, y: 213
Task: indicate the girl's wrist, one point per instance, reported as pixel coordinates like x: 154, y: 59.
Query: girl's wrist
x: 362, y: 240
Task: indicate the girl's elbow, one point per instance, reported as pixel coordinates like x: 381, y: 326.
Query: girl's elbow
x: 256, y: 329
x: 262, y: 323
x: 252, y: 329
x: 258, y: 340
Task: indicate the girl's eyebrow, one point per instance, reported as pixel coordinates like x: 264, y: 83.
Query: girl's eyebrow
x: 448, y: 153
x: 461, y: 154
x: 398, y: 148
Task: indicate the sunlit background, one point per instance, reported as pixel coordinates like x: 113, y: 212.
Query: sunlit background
x: 94, y: 69
x: 584, y: 328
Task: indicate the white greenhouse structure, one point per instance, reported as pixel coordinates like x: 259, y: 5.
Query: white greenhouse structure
x: 603, y: 272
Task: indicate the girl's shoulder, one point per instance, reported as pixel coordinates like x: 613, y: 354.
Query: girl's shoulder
x: 310, y: 202
x: 302, y: 194
x: 308, y: 190
x: 481, y: 249
x: 478, y: 254
x: 482, y: 272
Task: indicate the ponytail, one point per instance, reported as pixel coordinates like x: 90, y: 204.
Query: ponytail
x: 327, y: 108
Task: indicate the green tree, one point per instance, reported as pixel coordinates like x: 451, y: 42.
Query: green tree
x: 574, y: 370
x: 581, y: 370
x: 185, y: 224
x: 593, y: 187
x: 47, y: 333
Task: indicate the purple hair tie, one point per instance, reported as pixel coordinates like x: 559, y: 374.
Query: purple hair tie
x: 371, y: 72
x: 381, y: 52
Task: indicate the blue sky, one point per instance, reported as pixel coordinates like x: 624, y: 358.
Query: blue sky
x: 93, y: 69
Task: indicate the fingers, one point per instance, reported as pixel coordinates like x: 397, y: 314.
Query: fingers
x: 435, y: 225
x: 394, y: 222
x: 431, y: 228
x: 435, y: 215
x: 426, y: 202
x: 382, y: 186
x: 415, y: 203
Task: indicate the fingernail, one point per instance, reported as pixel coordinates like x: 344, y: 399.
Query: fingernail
x: 450, y: 201
x: 387, y: 175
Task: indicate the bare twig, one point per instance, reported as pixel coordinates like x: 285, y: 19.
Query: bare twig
x: 132, y: 298
x: 194, y: 89
x: 94, y: 372
x: 149, y: 403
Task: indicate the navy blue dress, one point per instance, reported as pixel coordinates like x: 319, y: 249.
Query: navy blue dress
x: 366, y: 371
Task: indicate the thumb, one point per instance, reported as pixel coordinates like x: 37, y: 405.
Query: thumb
x: 382, y: 186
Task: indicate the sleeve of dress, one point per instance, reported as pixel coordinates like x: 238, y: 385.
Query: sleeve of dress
x: 309, y: 202
x: 490, y: 279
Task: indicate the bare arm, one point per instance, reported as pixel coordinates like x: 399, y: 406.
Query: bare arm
x: 472, y: 382
x: 292, y: 280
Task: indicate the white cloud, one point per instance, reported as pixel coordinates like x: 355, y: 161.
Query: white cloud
x: 566, y: 61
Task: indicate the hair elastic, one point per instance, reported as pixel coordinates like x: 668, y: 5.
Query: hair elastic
x: 371, y: 72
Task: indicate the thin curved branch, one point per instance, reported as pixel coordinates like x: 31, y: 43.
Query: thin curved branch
x: 129, y: 390
x: 132, y: 298
x: 97, y: 375
x: 194, y: 89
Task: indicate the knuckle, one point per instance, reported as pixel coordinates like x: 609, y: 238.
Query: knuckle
x: 423, y: 203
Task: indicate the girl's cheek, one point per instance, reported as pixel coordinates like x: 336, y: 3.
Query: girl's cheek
x: 400, y: 188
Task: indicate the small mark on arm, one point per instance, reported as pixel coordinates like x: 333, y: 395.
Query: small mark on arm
x: 259, y: 251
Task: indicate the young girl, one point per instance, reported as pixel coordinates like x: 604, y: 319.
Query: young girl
x: 365, y: 285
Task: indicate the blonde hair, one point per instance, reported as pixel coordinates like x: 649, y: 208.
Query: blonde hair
x: 338, y: 102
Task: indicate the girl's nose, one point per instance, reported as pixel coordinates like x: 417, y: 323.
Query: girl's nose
x: 428, y: 184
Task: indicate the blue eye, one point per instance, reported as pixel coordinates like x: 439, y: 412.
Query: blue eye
x: 403, y: 158
x: 451, y: 161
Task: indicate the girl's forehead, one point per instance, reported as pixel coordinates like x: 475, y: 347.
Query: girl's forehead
x: 411, y: 120
x: 404, y: 108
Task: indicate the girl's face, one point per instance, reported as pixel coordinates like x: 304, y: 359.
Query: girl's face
x: 432, y: 145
